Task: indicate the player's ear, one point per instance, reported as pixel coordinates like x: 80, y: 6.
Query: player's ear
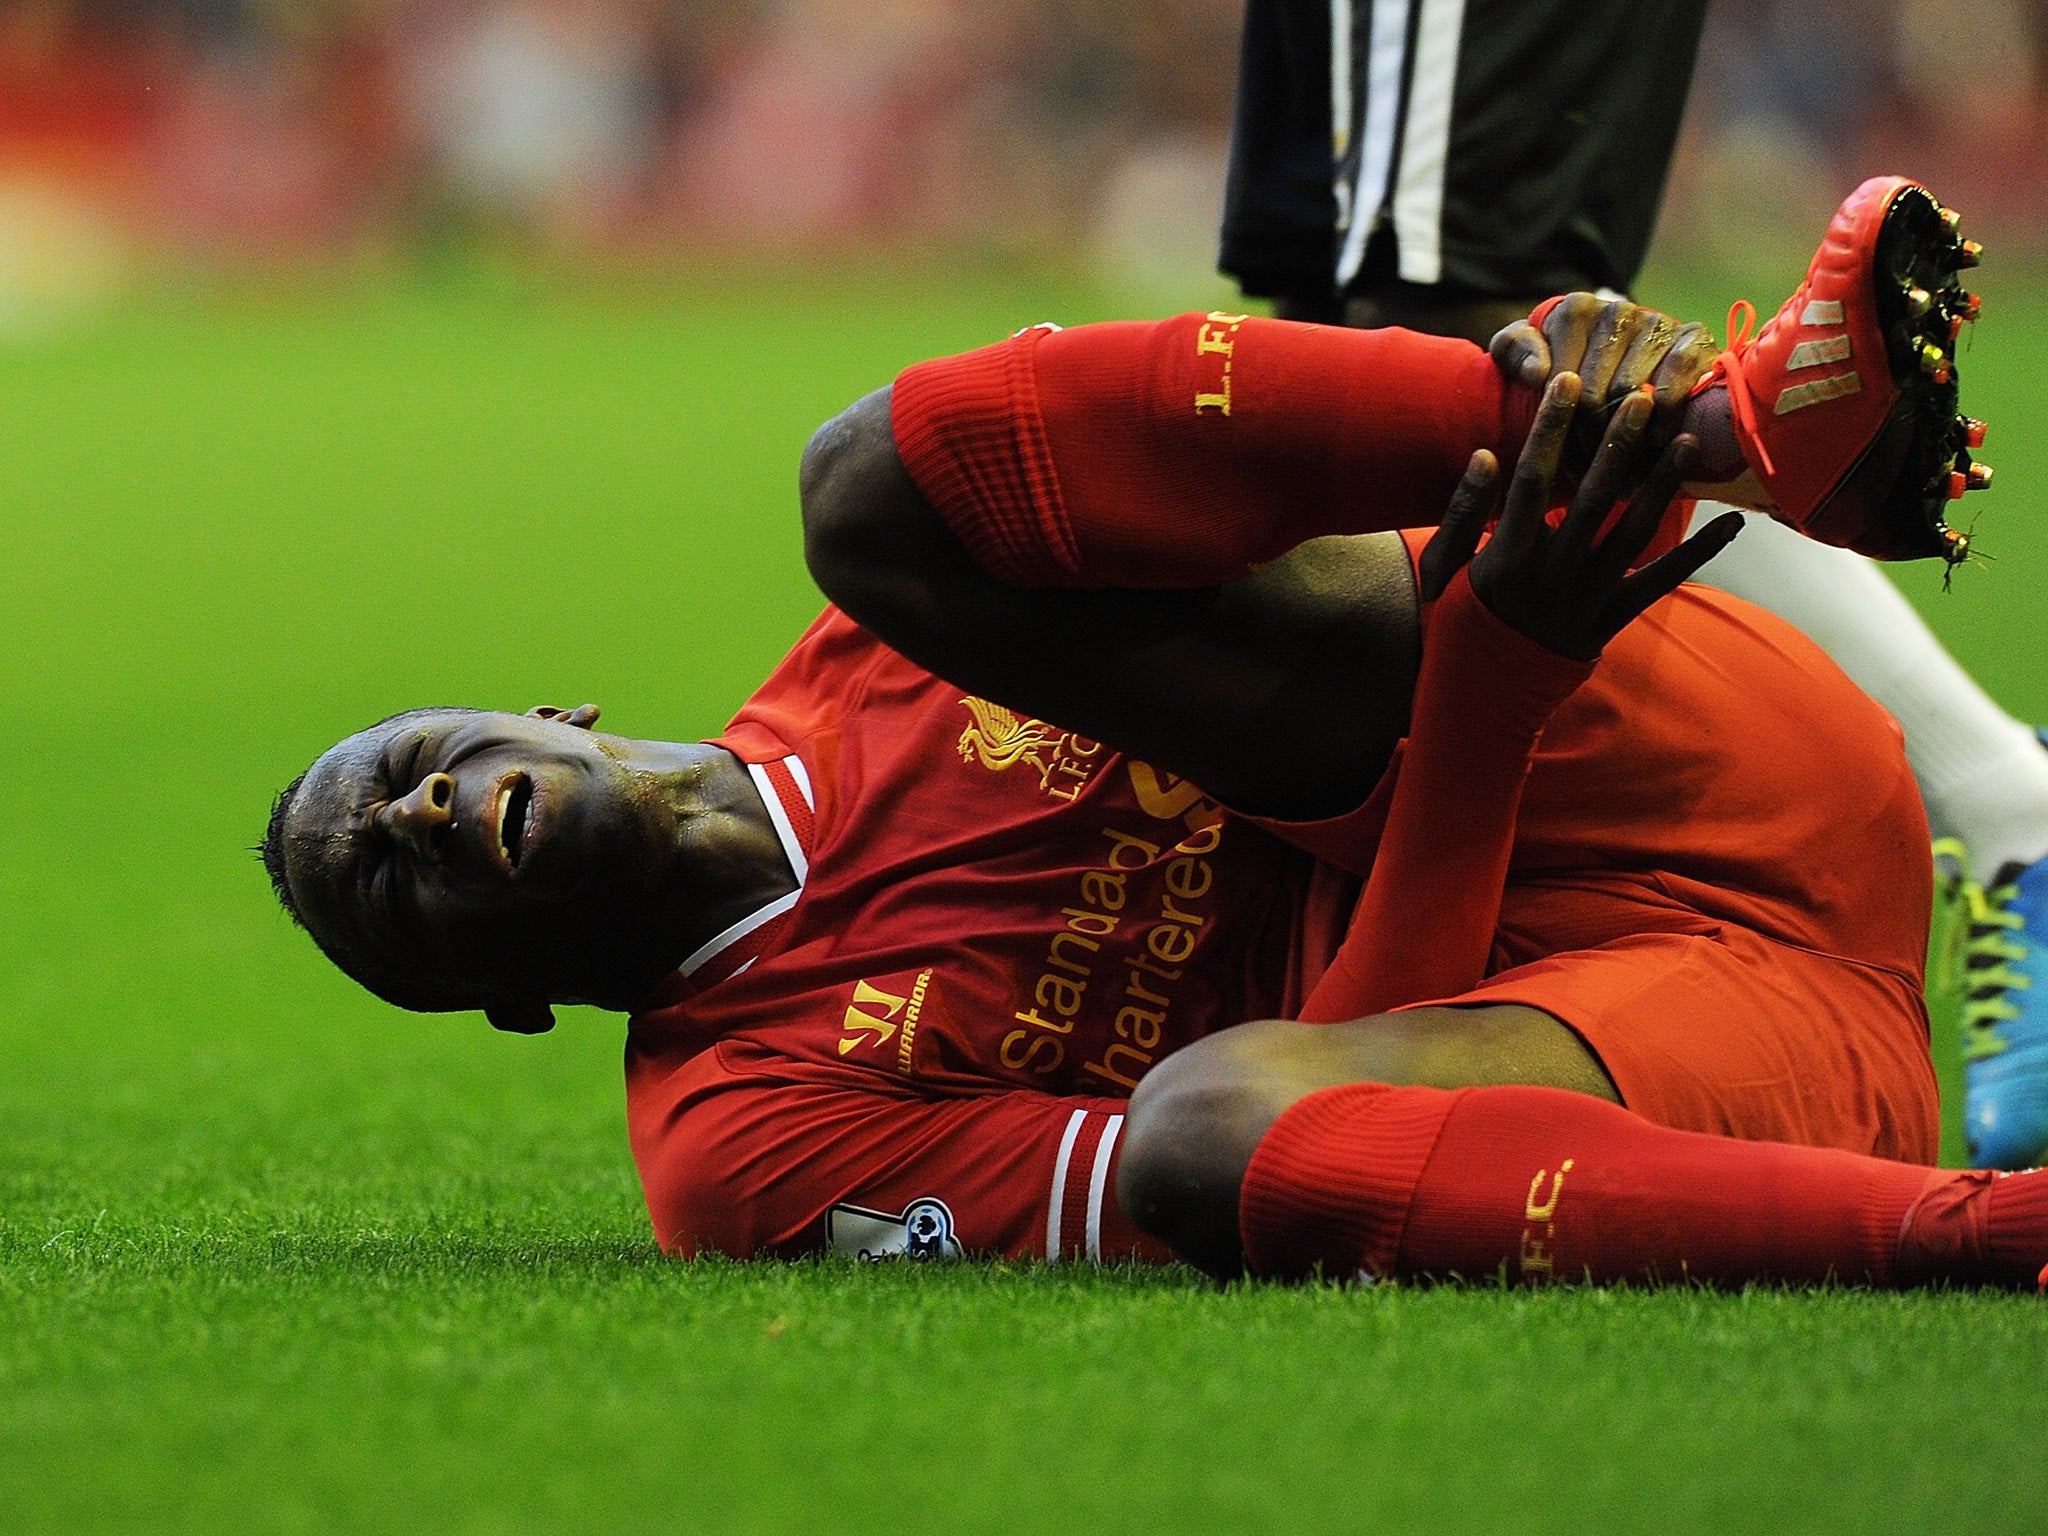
x: 583, y: 716
x: 521, y: 1018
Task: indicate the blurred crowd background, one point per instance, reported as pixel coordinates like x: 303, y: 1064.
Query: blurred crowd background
x: 239, y: 131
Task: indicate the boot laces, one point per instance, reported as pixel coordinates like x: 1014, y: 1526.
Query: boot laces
x: 1726, y: 370
x: 1988, y: 951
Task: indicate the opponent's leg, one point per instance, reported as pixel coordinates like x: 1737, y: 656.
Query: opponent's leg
x: 2004, y: 1034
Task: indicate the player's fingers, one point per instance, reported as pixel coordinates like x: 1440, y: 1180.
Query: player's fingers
x: 1451, y: 547
x: 1615, y: 469
x: 1566, y: 327
x: 1606, y: 345
x: 1528, y: 495
x: 1665, y: 574
x: 1655, y: 335
x: 1684, y: 364
x: 1520, y: 353
x: 1646, y: 512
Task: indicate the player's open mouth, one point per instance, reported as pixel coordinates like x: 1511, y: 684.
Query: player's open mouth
x: 515, y: 818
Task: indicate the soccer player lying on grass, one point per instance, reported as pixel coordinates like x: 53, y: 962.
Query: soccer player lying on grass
x: 897, y: 957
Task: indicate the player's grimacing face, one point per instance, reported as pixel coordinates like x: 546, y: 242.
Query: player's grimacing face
x: 472, y: 853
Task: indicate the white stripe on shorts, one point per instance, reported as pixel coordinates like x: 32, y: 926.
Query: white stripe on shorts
x: 1097, y: 1180
x: 1056, y: 1208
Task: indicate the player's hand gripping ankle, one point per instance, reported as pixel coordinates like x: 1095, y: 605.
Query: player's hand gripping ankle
x: 1616, y: 348
x: 1566, y: 587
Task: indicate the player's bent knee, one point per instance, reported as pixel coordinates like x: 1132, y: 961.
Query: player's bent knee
x: 1196, y: 1118
x: 1189, y: 1135
x: 853, y: 492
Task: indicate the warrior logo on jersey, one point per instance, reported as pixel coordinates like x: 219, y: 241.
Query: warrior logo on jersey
x: 870, y: 1021
x: 923, y: 1231
x: 999, y: 739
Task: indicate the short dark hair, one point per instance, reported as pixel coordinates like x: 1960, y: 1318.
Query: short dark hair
x: 373, y: 978
x: 271, y: 849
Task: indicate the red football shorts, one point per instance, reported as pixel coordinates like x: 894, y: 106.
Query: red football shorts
x: 1733, y: 1033
x: 1721, y: 883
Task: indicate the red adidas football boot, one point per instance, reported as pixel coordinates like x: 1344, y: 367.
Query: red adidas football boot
x: 1845, y: 403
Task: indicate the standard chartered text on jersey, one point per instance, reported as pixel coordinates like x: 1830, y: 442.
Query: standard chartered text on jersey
x: 1159, y: 948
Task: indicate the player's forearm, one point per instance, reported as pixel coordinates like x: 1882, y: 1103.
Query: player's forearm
x: 1186, y: 452
x: 1423, y: 928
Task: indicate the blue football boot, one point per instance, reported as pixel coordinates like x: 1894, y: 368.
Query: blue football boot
x: 2004, y: 950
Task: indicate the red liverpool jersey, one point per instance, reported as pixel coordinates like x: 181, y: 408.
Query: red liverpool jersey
x: 1000, y: 927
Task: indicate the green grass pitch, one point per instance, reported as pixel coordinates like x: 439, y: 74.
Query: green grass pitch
x: 276, y: 1258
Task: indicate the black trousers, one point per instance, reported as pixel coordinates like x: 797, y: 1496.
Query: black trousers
x: 1493, y: 148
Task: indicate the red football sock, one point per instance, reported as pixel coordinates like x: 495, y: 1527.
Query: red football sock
x: 1549, y: 1185
x: 1185, y: 452
x: 1481, y: 702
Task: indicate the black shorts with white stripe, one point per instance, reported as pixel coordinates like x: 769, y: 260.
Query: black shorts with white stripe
x: 1494, y: 148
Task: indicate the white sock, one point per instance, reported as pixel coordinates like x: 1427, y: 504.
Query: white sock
x: 1983, y: 774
